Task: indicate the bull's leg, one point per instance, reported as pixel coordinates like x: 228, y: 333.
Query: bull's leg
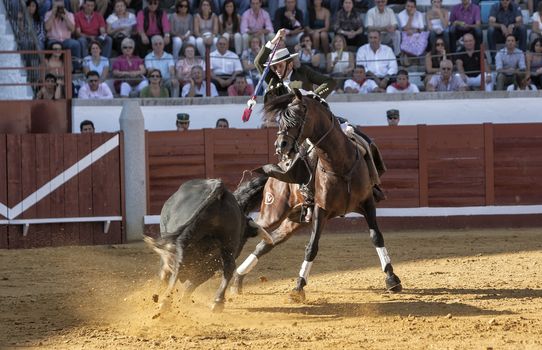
x: 228, y: 261
x: 195, y: 282
x: 319, y: 220
x: 393, y: 283
x: 280, y: 235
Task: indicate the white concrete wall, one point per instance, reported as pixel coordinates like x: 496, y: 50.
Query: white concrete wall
x: 426, y: 108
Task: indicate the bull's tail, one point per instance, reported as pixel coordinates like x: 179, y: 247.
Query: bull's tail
x: 250, y: 193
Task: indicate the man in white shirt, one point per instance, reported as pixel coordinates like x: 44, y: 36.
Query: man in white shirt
x: 93, y: 89
x: 379, y: 60
x: 359, y: 84
x: 382, y: 19
x: 225, y: 65
x: 197, y: 86
x: 163, y: 61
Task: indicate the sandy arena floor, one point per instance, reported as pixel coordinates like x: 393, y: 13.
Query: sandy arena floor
x: 462, y: 290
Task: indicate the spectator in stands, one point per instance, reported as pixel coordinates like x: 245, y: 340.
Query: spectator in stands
x: 95, y: 61
x: 37, y: 24
x: 225, y: 65
x: 523, y: 82
x: 318, y: 25
x: 240, y: 87
x: 505, y: 18
x: 340, y: 62
x: 185, y: 64
x: 155, y: 87
x: 59, y: 25
x: 413, y: 36
x: 182, y: 27
x: 94, y: 89
x: 307, y: 55
x: 256, y: 22
x: 130, y: 70
x: 90, y: 26
x: 248, y: 58
x: 152, y: 21
x: 382, y: 19
x: 393, y: 117
x: 378, y: 59
x: 50, y: 90
x: 509, y: 61
x: 434, y: 57
x: 87, y: 127
x: 274, y: 5
x: 163, y: 61
x: 183, y: 121
x: 197, y: 86
x: 54, y: 62
x: 446, y: 81
x: 290, y: 17
x: 536, y: 27
x: 533, y: 62
x: 349, y: 24
x: 120, y: 24
x: 402, y: 85
x: 222, y: 123
x: 229, y: 26
x: 437, y: 22
x: 468, y: 65
x: 359, y: 84
x: 205, y: 27
x: 465, y: 18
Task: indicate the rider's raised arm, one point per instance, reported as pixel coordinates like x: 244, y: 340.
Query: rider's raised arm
x: 263, y: 56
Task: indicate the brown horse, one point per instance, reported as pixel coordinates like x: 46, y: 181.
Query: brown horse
x: 342, y: 179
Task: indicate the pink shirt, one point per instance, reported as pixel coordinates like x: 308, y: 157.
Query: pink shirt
x: 123, y: 65
x: 59, y: 31
x: 153, y: 26
x: 232, y: 91
x: 252, y: 22
x: 89, y: 25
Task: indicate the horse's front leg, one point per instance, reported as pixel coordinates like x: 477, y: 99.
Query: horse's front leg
x: 393, y: 283
x: 297, y: 295
x: 228, y: 261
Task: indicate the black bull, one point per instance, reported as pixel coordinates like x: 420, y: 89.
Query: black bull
x: 203, y: 228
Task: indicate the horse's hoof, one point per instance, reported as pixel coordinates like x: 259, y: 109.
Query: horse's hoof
x: 297, y: 296
x: 217, y: 307
x: 393, y: 284
x: 237, y: 290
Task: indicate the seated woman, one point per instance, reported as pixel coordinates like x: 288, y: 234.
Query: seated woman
x: 433, y: 59
x: 307, y: 55
x: 229, y: 23
x: 413, y: 37
x: 129, y: 71
x: 120, y: 24
x: 534, y: 62
x: 318, y: 26
x: 96, y: 62
x: 348, y: 23
x: 182, y: 27
x: 50, y: 90
x: 183, y: 67
x: 54, y: 63
x: 205, y: 27
x: 523, y: 82
x: 248, y: 58
x: 437, y: 19
x: 340, y: 62
x: 155, y: 88
x: 37, y: 23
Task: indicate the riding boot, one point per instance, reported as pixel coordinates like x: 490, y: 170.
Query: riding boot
x: 378, y: 193
x: 308, y: 195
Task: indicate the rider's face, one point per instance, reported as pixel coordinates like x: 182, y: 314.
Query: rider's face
x: 282, y: 69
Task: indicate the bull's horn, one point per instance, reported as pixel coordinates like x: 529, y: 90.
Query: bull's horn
x: 262, y: 232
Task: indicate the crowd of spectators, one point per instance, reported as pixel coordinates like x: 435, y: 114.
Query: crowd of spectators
x: 156, y: 48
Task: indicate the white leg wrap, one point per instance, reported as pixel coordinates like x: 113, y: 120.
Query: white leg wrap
x: 247, y: 265
x: 305, y: 270
x: 383, y: 256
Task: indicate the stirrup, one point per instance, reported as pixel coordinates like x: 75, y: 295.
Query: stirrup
x: 306, y: 213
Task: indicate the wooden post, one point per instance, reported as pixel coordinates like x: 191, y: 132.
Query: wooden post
x: 423, y: 175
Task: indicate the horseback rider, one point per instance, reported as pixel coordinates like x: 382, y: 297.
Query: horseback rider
x: 285, y: 75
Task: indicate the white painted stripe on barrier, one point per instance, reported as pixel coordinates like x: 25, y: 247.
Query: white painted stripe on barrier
x: 60, y: 179
x: 63, y: 220
x: 426, y: 212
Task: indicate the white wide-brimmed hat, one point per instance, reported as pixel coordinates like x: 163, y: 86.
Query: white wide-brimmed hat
x: 282, y: 55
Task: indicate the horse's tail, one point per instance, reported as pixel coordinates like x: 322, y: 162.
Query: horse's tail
x: 250, y: 193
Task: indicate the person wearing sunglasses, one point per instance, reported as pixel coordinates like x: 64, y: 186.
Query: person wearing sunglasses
x: 155, y: 88
x: 129, y: 71
x: 93, y: 89
x: 393, y: 117
x: 182, y: 27
x: 446, y: 80
x: 152, y: 21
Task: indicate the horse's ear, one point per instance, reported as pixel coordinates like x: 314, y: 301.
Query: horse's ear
x: 298, y: 94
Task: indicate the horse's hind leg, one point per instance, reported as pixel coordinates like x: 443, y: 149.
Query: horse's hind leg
x: 229, y: 266
x: 393, y: 283
x: 319, y: 220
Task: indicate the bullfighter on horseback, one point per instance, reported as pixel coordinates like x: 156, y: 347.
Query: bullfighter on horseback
x: 284, y: 75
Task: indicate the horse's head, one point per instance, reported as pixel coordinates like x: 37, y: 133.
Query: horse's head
x: 292, y: 127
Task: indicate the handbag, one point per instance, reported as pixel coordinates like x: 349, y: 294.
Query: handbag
x: 414, y: 44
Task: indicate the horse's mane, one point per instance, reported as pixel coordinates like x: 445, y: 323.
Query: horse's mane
x: 290, y: 116
x: 250, y: 193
